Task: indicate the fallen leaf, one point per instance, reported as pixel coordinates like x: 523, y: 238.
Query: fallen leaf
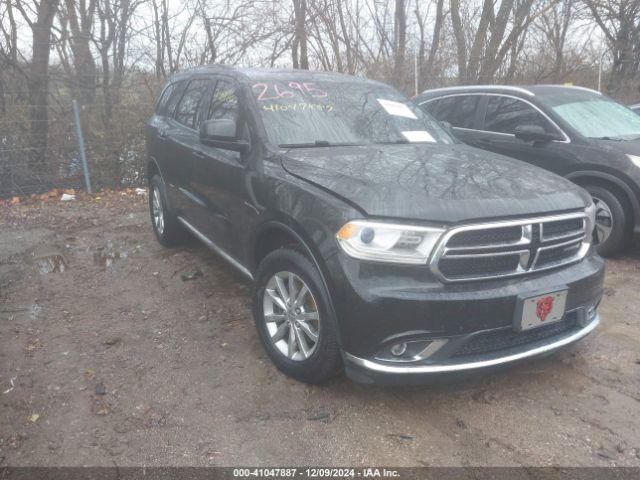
x: 192, y: 275
x: 32, y: 345
x: 111, y: 341
x: 34, y: 417
x: 103, y: 410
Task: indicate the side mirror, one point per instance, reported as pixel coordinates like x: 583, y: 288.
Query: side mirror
x: 222, y: 133
x: 447, y: 126
x: 534, y: 133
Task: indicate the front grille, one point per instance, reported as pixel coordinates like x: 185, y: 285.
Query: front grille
x: 557, y: 255
x: 455, y: 267
x: 562, y: 228
x: 499, y: 340
x: 474, y: 238
x: 477, y: 252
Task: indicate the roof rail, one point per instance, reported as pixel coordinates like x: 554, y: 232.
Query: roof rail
x: 573, y: 86
x: 484, y: 87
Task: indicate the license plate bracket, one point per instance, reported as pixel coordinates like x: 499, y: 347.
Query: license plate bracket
x: 536, y: 310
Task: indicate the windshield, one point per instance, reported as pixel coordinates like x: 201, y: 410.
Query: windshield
x: 596, y: 116
x: 321, y: 111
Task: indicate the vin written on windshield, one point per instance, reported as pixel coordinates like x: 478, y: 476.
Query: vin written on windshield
x: 299, y: 112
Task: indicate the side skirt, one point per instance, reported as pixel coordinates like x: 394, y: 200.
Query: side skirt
x: 207, y: 241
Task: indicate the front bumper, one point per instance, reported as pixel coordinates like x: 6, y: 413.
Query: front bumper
x: 378, y: 306
x: 368, y: 371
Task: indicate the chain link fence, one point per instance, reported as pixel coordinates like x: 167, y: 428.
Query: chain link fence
x: 112, y: 133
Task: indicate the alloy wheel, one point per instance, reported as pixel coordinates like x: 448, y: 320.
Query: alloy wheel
x: 157, y: 212
x: 604, y: 221
x: 291, y: 316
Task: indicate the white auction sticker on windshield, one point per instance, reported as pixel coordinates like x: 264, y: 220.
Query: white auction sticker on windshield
x: 397, y: 109
x: 418, y: 136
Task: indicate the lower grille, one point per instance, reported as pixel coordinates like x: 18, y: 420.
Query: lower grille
x: 498, y: 340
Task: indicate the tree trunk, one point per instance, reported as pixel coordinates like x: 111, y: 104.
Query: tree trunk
x: 461, y: 44
x: 299, y: 46
x: 435, y: 39
x: 80, y: 24
x: 38, y: 83
x: 400, y: 39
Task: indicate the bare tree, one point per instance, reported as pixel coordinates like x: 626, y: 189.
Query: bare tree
x: 38, y: 79
x: 426, y: 65
x: 496, y: 34
x: 299, y: 50
x: 619, y: 21
x: 76, y: 26
x: 399, y: 36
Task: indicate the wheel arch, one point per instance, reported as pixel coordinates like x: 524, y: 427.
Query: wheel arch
x: 153, y: 167
x: 282, y: 232
x: 277, y: 233
x: 608, y: 180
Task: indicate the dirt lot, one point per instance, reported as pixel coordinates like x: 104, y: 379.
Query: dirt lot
x: 114, y: 350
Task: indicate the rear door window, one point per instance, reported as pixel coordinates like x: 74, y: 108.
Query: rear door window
x: 188, y: 111
x: 504, y: 114
x: 458, y: 110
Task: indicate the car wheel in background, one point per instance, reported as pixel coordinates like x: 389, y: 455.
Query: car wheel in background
x: 168, y: 230
x: 612, y: 232
x: 292, y: 313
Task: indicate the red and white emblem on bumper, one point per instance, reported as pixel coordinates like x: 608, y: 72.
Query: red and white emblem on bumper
x: 544, y: 306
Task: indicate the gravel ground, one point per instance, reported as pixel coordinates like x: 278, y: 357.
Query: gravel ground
x: 116, y: 351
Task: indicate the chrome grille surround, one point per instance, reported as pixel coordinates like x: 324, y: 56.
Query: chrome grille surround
x: 528, y: 248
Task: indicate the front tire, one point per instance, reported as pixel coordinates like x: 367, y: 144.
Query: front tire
x: 612, y: 233
x: 291, y: 310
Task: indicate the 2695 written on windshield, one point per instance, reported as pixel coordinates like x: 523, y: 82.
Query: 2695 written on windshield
x: 265, y: 91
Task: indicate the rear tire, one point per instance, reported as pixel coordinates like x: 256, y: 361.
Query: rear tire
x: 612, y: 233
x: 287, y: 328
x: 165, y: 224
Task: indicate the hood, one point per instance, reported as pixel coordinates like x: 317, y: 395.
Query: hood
x: 624, y: 147
x: 434, y: 182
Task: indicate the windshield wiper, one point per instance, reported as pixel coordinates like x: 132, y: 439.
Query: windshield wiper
x: 318, y: 143
x: 615, y: 139
x: 394, y: 142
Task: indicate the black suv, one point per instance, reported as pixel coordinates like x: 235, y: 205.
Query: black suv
x: 375, y: 241
x: 572, y: 131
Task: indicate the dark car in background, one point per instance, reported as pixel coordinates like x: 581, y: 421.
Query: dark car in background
x: 375, y: 241
x: 572, y: 131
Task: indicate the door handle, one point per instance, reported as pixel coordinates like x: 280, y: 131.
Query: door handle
x: 199, y: 155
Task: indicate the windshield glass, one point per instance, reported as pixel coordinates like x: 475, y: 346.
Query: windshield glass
x: 596, y: 116
x: 322, y: 111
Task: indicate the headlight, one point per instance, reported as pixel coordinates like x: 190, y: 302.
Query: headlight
x: 388, y: 242
x: 635, y: 159
x: 591, y: 221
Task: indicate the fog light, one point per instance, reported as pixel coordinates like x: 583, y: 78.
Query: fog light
x: 398, y: 349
